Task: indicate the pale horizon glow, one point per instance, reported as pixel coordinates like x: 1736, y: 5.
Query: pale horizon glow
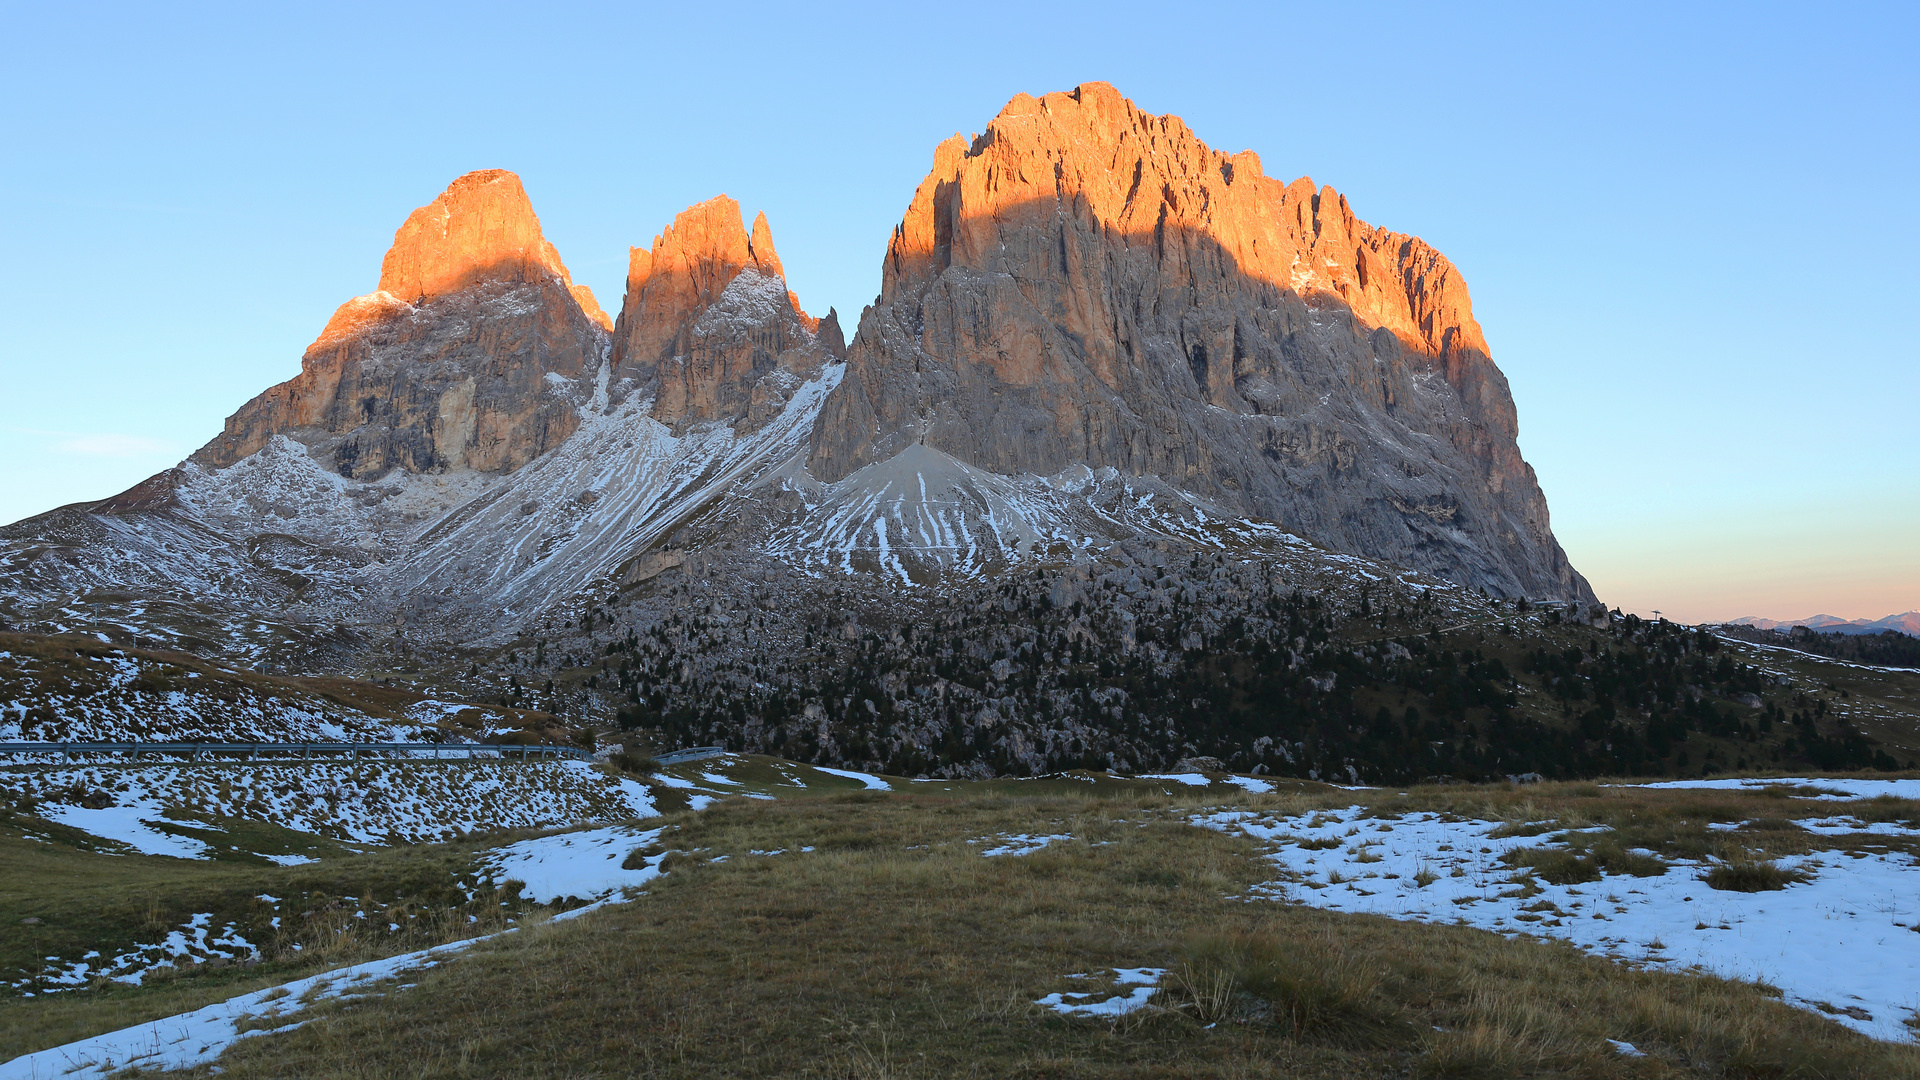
x: 1685, y: 230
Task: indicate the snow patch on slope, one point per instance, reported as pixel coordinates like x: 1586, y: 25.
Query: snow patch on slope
x: 1841, y: 941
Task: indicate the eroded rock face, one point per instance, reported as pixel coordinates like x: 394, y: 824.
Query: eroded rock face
x: 1086, y: 283
x: 708, y: 326
x: 470, y: 354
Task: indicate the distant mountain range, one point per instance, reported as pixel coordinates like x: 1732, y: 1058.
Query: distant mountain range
x: 1906, y: 623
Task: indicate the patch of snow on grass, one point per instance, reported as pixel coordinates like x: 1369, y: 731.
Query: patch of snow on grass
x: 1844, y: 790
x: 1022, y: 844
x: 873, y: 782
x: 1191, y: 779
x: 195, y: 942
x: 1144, y: 981
x: 130, y: 825
x: 582, y: 865
x: 195, y: 1038
x: 1837, y: 942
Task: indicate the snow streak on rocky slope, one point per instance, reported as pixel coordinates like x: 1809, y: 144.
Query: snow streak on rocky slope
x: 922, y: 514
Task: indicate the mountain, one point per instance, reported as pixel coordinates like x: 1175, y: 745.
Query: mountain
x: 1086, y: 285
x: 709, y: 330
x: 454, y: 457
x: 1906, y: 623
x: 1123, y: 402
x: 451, y: 362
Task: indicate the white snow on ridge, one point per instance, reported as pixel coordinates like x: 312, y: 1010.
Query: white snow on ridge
x: 458, y: 549
x: 1193, y: 779
x: 922, y: 513
x: 1843, y: 940
x: 1251, y: 784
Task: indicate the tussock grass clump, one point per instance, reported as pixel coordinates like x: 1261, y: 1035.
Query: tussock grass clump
x: 1308, y: 988
x: 1480, y: 1051
x: 1523, y: 828
x: 1616, y: 858
x: 1752, y: 877
x: 1555, y: 865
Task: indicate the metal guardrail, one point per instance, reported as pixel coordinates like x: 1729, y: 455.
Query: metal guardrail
x: 297, y: 751
x: 691, y: 753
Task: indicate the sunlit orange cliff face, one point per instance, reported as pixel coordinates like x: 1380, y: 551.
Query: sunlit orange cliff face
x: 445, y: 365
x: 1088, y: 283
x: 478, y: 351
x: 708, y: 315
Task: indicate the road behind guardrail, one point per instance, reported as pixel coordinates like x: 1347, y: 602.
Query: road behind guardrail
x: 691, y: 753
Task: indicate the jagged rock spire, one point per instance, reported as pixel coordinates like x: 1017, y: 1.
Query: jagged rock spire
x: 445, y: 365
x: 708, y: 314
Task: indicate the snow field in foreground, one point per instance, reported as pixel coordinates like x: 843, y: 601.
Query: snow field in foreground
x: 372, y: 802
x: 1842, y: 944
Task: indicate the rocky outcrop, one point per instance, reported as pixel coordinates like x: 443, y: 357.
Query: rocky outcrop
x: 1086, y: 283
x: 709, y: 327
x: 470, y: 354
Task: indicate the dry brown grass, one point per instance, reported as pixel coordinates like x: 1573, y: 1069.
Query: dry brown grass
x: 895, y: 950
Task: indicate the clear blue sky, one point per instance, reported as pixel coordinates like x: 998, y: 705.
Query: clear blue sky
x: 1690, y: 231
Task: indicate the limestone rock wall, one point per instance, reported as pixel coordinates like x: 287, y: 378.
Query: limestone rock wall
x: 709, y: 327
x: 470, y: 354
x: 1087, y: 283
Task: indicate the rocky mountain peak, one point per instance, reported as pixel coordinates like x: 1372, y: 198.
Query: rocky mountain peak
x: 708, y: 315
x: 482, y: 228
x: 463, y: 357
x: 1087, y: 283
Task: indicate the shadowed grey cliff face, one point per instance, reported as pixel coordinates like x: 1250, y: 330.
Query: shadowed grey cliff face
x: 1089, y: 284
